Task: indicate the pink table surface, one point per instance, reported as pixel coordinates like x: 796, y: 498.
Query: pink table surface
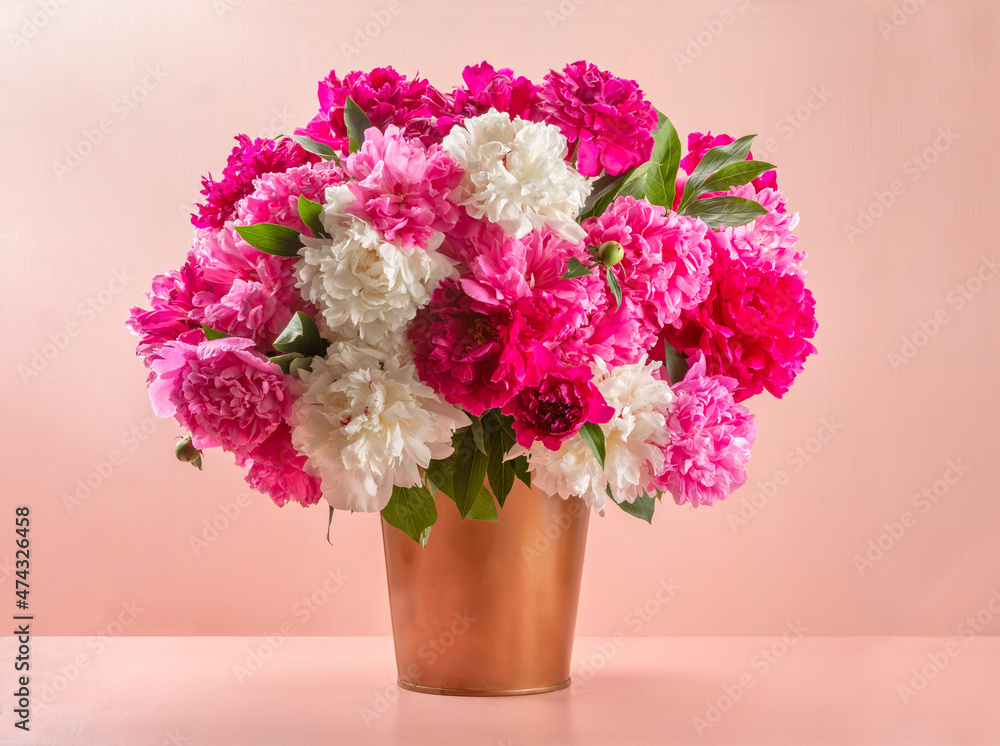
x: 340, y: 690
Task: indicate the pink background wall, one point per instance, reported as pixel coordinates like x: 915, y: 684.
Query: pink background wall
x: 855, y: 104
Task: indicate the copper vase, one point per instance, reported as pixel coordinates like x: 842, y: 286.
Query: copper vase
x: 488, y: 609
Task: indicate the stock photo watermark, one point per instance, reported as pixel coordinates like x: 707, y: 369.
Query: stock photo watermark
x: 713, y: 28
x: 913, y: 170
x: 302, y: 610
x: 761, y: 664
x: 767, y: 145
x: 899, y: 16
x: 956, y: 299
x: 370, y: 29
x: 937, y: 661
x: 796, y: 460
x: 212, y: 528
x: 120, y: 109
x: 922, y: 502
x: 32, y: 22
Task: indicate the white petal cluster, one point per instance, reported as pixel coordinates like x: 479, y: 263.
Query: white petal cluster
x: 364, y: 423
x: 516, y: 174
x: 364, y: 286
x: 634, y: 439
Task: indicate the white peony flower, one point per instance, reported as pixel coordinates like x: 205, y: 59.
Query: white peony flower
x: 516, y: 174
x: 365, y: 423
x: 633, y: 441
x: 360, y: 281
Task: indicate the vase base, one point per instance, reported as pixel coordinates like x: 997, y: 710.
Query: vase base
x: 481, y: 692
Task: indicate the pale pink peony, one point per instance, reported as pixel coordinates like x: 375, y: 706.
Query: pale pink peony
x: 248, y: 310
x: 709, y: 439
x: 767, y: 240
x: 403, y: 188
x: 608, y: 117
x: 276, y: 469
x: 667, y: 256
x: 275, y: 198
x: 222, y: 391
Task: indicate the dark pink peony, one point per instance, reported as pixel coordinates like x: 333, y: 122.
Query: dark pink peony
x: 755, y: 326
x: 222, y: 391
x: 709, y: 439
x: 476, y: 356
x: 486, y: 88
x: 403, y: 188
x: 275, y: 468
x: 275, y: 199
x: 557, y: 407
x: 249, y: 160
x: 384, y: 95
x: 607, y: 117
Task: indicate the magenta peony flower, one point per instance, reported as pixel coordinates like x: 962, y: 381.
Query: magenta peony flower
x: 754, y: 326
x: 384, y: 95
x: 276, y: 469
x: 249, y: 159
x: 486, y: 88
x: 178, y: 301
x: 557, y: 407
x: 275, y: 198
x: 475, y: 355
x: 403, y: 188
x: 665, y: 268
x: 710, y: 437
x: 249, y: 310
x: 699, y: 144
x: 609, y: 117
x: 222, y: 391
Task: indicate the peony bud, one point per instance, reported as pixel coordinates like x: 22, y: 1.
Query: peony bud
x: 186, y: 452
x: 610, y: 253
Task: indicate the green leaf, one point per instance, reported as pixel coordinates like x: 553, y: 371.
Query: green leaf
x: 604, y: 192
x: 735, y: 174
x: 477, y: 432
x: 412, y: 510
x: 470, y: 470
x: 279, y: 240
x: 310, y: 213
x: 613, y: 285
x: 715, y: 159
x: 302, y: 336
x: 521, y: 470
x: 485, y: 507
x: 441, y: 473
x: 285, y: 361
x: 506, y: 424
x: 211, y: 333
x: 499, y: 472
x: 726, y: 211
x: 318, y: 148
x: 660, y: 178
x: 675, y: 363
x: 641, y: 508
x: 593, y: 436
x: 357, y: 122
x: 425, y: 536
x: 329, y: 523
x: 576, y: 268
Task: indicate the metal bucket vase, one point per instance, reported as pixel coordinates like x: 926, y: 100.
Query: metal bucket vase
x: 488, y: 609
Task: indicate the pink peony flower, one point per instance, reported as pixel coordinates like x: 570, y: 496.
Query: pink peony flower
x: 767, y: 240
x: 275, y: 198
x: 384, y: 95
x: 665, y: 268
x: 609, y: 117
x: 249, y: 310
x: 402, y: 188
x: 223, y: 391
x: 475, y: 355
x: 486, y: 88
x: 710, y: 437
x: 276, y: 469
x: 754, y: 326
x: 557, y: 407
x: 699, y: 144
x: 249, y: 159
x: 178, y: 300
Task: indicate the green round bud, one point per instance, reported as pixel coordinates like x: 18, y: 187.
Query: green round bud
x: 185, y: 450
x: 610, y: 253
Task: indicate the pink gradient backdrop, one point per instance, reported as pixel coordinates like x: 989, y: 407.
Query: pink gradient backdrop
x: 843, y: 105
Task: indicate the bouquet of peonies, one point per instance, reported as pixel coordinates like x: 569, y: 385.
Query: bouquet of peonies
x: 424, y: 291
